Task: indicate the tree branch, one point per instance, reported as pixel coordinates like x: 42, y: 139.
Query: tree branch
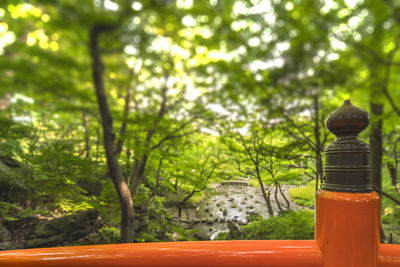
x: 122, y: 130
x: 386, y: 195
x: 158, y: 178
x: 305, y: 137
x: 171, y: 137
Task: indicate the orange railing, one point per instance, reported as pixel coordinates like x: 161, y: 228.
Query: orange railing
x: 268, y: 253
x: 346, y: 225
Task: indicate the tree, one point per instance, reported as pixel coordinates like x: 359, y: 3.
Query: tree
x: 115, y: 172
x: 392, y: 160
x: 253, y: 154
x: 197, y: 169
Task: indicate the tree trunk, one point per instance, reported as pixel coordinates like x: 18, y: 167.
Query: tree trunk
x: 318, y: 148
x: 265, y: 194
x: 268, y: 200
x: 396, y: 167
x: 122, y: 130
x: 375, y: 141
x: 176, y: 185
x: 152, y: 194
x: 284, y: 197
x: 138, y: 173
x: 140, y: 164
x: 277, y: 200
x: 87, y: 136
x: 392, y: 173
x: 393, y: 176
x: 126, y: 202
x: 97, y: 143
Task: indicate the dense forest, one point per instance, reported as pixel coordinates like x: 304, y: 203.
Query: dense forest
x: 134, y: 112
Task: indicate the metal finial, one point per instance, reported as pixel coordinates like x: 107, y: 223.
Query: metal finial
x: 347, y: 158
x: 347, y: 120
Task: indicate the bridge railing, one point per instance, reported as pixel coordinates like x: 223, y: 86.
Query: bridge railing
x: 347, y: 223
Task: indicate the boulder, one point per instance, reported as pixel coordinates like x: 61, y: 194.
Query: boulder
x: 5, y: 239
x: 62, y: 231
x: 234, y: 230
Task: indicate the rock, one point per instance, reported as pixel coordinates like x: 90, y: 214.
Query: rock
x: 5, y: 239
x: 31, y: 232
x: 234, y: 230
x: 64, y: 230
x: 92, y: 188
x: 4, y: 234
x: 201, y: 236
x: 7, y: 246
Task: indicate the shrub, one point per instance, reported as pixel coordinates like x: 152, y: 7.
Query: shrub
x: 253, y: 216
x: 304, y: 195
x: 110, y: 234
x: 292, y: 225
x: 222, y: 236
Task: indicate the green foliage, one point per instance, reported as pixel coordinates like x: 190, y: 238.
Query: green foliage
x: 13, y: 212
x: 253, y: 216
x: 110, y: 234
x: 292, y: 225
x: 183, y: 235
x: 391, y: 215
x: 304, y: 195
x: 222, y: 236
x: 8, y: 211
x: 390, y: 210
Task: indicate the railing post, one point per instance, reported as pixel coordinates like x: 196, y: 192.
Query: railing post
x: 347, y: 208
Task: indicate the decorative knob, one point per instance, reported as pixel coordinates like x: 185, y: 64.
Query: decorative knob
x: 348, y: 120
x: 347, y: 158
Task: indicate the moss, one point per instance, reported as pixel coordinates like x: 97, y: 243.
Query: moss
x: 221, y: 236
x: 303, y: 196
x: 292, y: 225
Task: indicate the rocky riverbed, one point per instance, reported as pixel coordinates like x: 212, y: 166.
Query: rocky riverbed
x: 229, y: 201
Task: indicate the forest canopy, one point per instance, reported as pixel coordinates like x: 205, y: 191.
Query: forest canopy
x: 137, y: 108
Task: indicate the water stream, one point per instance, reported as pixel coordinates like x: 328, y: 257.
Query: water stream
x: 233, y: 200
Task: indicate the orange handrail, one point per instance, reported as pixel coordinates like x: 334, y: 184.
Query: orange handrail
x: 267, y: 253
x: 390, y: 255
x: 197, y: 253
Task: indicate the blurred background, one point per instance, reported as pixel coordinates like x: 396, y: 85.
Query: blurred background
x: 163, y: 120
